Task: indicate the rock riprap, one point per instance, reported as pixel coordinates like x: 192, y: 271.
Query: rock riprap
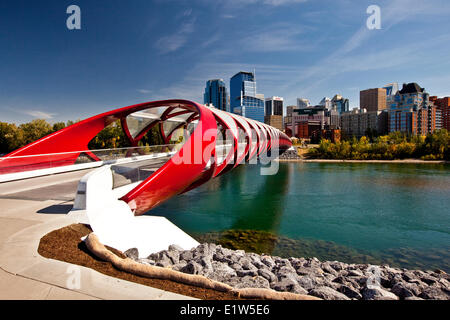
x: 330, y: 280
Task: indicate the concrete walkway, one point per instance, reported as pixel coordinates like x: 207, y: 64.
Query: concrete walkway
x: 29, y: 209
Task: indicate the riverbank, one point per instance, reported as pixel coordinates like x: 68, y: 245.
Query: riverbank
x: 405, y: 161
x: 330, y: 280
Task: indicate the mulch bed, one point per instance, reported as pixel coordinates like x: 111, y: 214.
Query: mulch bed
x: 65, y: 245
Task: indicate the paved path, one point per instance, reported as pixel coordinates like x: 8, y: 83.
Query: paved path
x: 31, y: 208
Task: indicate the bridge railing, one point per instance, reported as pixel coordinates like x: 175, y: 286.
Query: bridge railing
x: 81, y: 158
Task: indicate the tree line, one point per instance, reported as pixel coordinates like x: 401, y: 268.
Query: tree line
x: 13, y: 137
x: 396, y: 145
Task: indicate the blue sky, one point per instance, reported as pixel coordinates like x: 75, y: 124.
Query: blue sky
x: 141, y: 50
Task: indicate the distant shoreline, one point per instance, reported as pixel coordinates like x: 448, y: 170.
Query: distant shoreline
x: 406, y: 161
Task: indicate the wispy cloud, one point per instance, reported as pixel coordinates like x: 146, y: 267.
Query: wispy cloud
x: 346, y: 60
x: 277, y: 38
x: 178, y: 39
x: 39, y: 114
x: 144, y: 91
x: 265, y: 2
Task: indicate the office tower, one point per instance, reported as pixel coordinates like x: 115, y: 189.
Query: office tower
x: 340, y: 104
x: 243, y: 97
x: 274, y: 106
x: 391, y: 91
x: 216, y: 94
x: 326, y: 102
x: 373, y: 99
x: 302, y: 103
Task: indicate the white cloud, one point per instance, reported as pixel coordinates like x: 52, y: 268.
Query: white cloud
x: 274, y: 3
x: 277, y: 38
x: 144, y: 91
x: 39, y: 114
x: 176, y: 40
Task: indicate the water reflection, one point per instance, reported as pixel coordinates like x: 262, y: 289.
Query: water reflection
x: 361, y: 213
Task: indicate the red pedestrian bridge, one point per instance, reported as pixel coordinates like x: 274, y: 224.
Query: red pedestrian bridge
x: 213, y: 143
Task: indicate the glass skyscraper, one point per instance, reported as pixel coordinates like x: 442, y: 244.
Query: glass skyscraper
x: 340, y: 104
x: 216, y: 94
x: 243, y: 97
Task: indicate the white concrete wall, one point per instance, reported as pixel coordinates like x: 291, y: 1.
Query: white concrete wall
x: 115, y: 224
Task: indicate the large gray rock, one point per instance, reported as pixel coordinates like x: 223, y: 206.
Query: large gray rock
x: 307, y: 282
x: 246, y: 264
x: 288, y: 285
x: 328, y: 269
x: 247, y: 273
x: 355, y: 273
x: 266, y: 274
x: 434, y: 293
x: 179, y: 266
x: 256, y: 261
x: 220, y: 257
x: 405, y: 290
x: 312, y: 263
x: 428, y: 279
x: 186, y: 255
x: 175, y: 247
x: 222, y: 271
x: 285, y: 271
x: 206, y: 264
x: 304, y: 271
x: 132, y: 253
x: 328, y: 294
x: 268, y: 261
x: 192, y: 267
x: 174, y: 256
x: 236, y: 266
x: 248, y: 282
x: 350, y: 292
x: 377, y: 293
x: 338, y: 266
x: 204, y: 250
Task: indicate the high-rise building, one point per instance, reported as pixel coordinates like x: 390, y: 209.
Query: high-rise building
x: 340, y: 104
x: 443, y: 112
x: 359, y: 122
x: 288, y: 118
x: 327, y: 103
x: 409, y: 109
x: 391, y: 91
x: 243, y: 97
x: 216, y: 94
x: 275, y: 121
x: 302, y: 103
x: 373, y: 99
x: 274, y: 106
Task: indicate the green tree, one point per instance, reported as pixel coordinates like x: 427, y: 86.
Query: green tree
x: 58, y: 126
x: 35, y: 130
x: 11, y: 137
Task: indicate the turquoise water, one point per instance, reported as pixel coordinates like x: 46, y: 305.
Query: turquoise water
x: 373, y: 213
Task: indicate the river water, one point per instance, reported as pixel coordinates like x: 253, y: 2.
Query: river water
x: 397, y: 214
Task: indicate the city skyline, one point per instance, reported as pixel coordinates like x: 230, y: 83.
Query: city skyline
x: 169, y: 49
